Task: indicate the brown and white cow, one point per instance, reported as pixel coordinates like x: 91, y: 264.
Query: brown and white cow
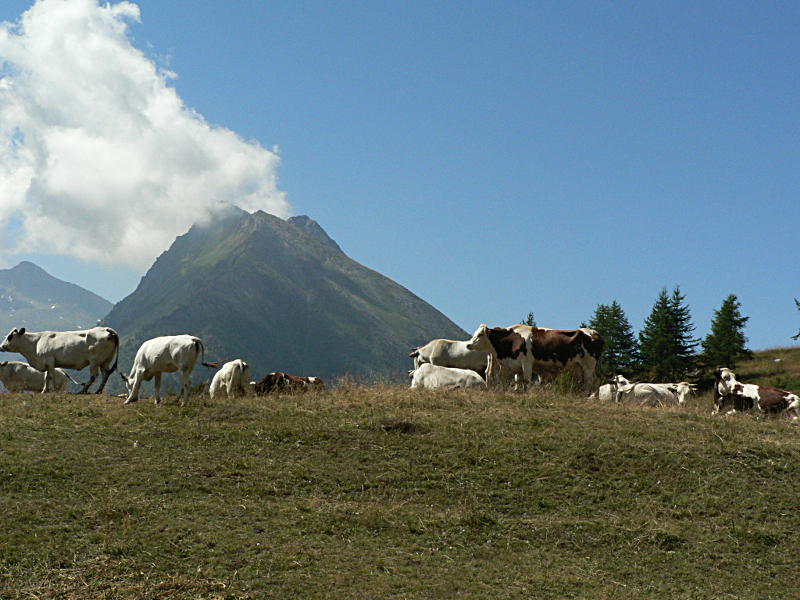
x: 283, y: 382
x: 747, y: 396
x: 522, y: 350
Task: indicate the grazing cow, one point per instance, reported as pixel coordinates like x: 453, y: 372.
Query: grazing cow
x: 436, y: 377
x: 48, y: 350
x: 18, y: 376
x: 746, y: 396
x: 233, y: 379
x: 283, y: 382
x: 522, y: 350
x: 450, y: 353
x: 656, y: 394
x: 165, y: 354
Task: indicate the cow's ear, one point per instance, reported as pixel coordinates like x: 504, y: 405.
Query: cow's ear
x: 4, y: 363
x: 21, y: 331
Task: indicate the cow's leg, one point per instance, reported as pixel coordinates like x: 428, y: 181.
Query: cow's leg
x: 47, y: 379
x: 106, y: 373
x: 133, y: 395
x: 185, y: 376
x: 157, y: 387
x: 92, y: 378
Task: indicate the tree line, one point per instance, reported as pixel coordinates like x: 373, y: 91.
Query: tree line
x: 666, y: 348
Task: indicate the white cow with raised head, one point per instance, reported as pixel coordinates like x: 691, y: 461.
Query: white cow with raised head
x: 48, y: 350
x: 436, y: 377
x: 233, y: 379
x: 165, y: 354
x: 18, y: 376
x: 450, y: 353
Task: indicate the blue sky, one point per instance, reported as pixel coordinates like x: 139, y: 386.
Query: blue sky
x: 500, y: 158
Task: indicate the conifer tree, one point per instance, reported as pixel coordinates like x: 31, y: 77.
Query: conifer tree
x: 797, y: 302
x: 666, y: 345
x: 530, y: 320
x: 620, y: 350
x: 726, y: 342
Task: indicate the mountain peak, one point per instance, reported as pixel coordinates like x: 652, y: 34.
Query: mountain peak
x: 312, y: 228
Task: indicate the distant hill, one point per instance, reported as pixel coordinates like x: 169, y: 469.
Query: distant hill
x: 32, y: 298
x: 282, y: 295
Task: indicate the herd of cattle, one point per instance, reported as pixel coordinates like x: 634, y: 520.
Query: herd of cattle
x: 495, y: 356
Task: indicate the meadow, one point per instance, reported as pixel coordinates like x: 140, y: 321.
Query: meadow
x: 386, y: 492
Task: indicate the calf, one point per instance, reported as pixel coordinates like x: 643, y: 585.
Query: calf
x: 165, y: 354
x: 283, y: 382
x: 746, y: 396
x: 233, y: 379
x: 436, y: 377
x: 18, y: 376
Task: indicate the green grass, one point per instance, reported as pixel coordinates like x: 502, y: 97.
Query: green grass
x: 386, y: 493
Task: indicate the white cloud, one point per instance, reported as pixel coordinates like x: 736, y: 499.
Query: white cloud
x: 99, y: 158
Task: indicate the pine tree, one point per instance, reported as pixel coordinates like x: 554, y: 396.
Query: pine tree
x: 797, y: 302
x: 725, y: 344
x: 620, y: 351
x: 530, y: 320
x: 666, y: 344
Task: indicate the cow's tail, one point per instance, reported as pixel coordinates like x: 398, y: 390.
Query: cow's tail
x: 414, y: 353
x: 202, y: 350
x: 114, y: 337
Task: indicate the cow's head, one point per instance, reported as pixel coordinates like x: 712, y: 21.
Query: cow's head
x: 127, y: 380
x: 725, y: 381
x: 10, y: 344
x: 480, y: 340
x: 682, y: 390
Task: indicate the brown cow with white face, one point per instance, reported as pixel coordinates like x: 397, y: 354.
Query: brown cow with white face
x: 747, y: 396
x: 522, y: 350
x: 283, y: 382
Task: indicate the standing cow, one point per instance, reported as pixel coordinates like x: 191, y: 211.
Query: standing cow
x: 18, y: 376
x: 48, y: 350
x: 522, y: 350
x: 165, y: 354
x: 233, y: 379
x: 451, y: 353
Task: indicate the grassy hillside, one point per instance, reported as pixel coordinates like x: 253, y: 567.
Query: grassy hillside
x: 387, y: 493
x: 779, y: 367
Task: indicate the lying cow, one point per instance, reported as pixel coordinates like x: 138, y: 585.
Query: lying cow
x: 165, y: 354
x: 608, y: 391
x: 655, y: 394
x: 436, y: 377
x: 451, y: 353
x: 283, y: 382
x: 747, y: 396
x: 48, y: 350
x: 523, y: 350
x: 18, y: 376
x: 232, y: 379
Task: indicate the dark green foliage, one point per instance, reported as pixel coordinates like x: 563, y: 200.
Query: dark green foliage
x: 797, y: 302
x: 726, y: 343
x: 620, y: 351
x: 666, y: 345
x: 530, y: 320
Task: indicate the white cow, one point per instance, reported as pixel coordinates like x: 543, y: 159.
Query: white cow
x: 656, y: 393
x: 47, y: 350
x: 608, y: 391
x: 233, y: 379
x: 450, y: 353
x: 435, y: 377
x: 18, y: 376
x: 165, y: 354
